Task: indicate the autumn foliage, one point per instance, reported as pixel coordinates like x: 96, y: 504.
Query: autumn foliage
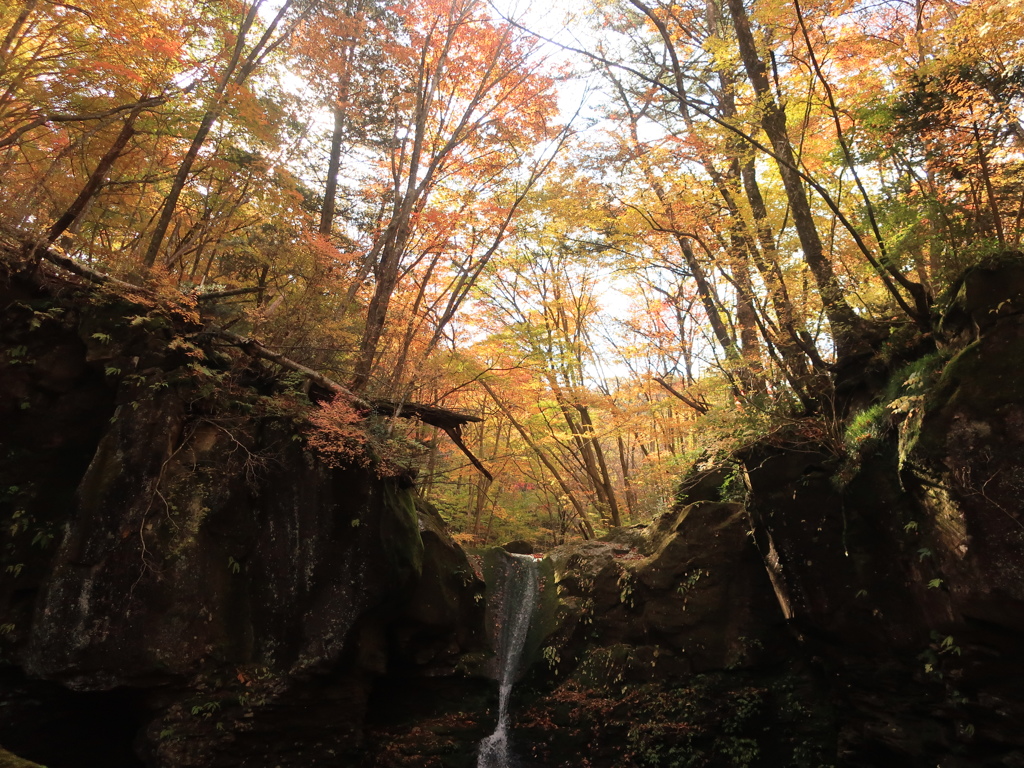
x: 398, y: 196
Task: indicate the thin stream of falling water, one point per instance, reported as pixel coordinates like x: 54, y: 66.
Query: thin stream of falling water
x: 518, y: 601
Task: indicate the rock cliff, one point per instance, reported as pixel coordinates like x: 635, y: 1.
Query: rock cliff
x: 183, y: 579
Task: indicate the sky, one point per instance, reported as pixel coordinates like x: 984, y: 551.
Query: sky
x: 562, y: 22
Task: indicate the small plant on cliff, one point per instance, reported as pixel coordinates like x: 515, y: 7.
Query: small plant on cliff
x: 688, y: 583
x: 206, y: 709
x: 552, y: 657
x: 338, y: 434
x: 865, y: 427
x: 901, y: 403
x: 342, y: 435
x: 626, y: 587
x: 733, y: 488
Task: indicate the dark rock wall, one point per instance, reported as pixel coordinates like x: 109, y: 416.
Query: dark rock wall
x: 695, y: 587
x: 901, y: 565
x: 668, y: 647
x: 172, y: 538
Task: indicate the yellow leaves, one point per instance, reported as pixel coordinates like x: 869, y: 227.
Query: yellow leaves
x: 121, y: 71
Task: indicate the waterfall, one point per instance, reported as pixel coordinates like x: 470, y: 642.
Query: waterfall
x: 517, y: 593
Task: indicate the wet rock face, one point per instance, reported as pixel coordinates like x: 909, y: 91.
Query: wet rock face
x: 967, y: 466
x: 173, y: 557
x: 904, y: 576
x: 54, y: 407
x: 668, y: 647
x: 175, y: 539
x: 696, y: 587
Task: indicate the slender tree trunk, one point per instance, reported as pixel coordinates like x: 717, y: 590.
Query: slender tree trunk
x: 705, y: 289
x: 386, y: 273
x: 626, y: 481
x: 482, y: 486
x: 746, y: 312
x: 333, y: 166
x: 581, y: 439
x: 96, y: 178
x: 426, y: 483
x: 581, y: 512
x: 604, y: 479
x: 791, y: 342
x: 708, y: 297
x: 986, y: 177
x: 846, y: 325
x: 198, y: 139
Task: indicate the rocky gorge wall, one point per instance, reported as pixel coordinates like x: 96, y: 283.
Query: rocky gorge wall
x: 846, y: 594
x: 183, y: 584
x: 900, y: 563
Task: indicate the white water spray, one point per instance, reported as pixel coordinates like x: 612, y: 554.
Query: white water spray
x: 518, y: 591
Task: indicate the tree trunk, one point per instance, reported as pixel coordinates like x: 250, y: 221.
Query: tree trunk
x: 626, y: 481
x: 333, y: 166
x: 96, y: 178
x: 603, y: 479
x: 386, y: 272
x: 846, y: 326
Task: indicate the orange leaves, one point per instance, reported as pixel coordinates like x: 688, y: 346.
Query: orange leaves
x: 458, y: 146
x: 339, y: 434
x: 163, y: 46
x: 118, y: 70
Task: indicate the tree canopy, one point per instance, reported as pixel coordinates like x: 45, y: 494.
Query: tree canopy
x: 404, y: 198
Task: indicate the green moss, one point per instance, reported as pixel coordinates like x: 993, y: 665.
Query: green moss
x: 982, y: 379
x: 915, y: 377
x: 903, y: 401
x: 7, y: 760
x: 865, y: 427
x: 400, y: 531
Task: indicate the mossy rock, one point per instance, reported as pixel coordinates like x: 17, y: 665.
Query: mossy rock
x: 7, y: 760
x: 985, y: 294
x: 985, y: 375
x: 977, y: 389
x: 400, y: 531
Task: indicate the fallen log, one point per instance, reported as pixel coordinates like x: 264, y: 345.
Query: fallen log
x: 448, y: 421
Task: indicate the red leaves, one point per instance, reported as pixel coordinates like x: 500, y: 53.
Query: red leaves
x: 339, y: 434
